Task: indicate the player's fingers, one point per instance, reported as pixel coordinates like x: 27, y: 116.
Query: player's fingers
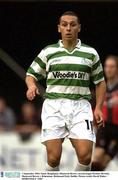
x: 33, y: 93
x: 30, y: 95
x: 100, y: 122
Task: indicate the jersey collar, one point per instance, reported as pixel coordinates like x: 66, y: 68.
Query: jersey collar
x: 78, y: 45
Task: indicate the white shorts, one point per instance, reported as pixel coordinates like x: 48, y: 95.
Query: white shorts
x: 67, y: 118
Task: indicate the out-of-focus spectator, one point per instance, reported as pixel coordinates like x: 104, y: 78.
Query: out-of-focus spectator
x: 107, y: 137
x: 28, y: 121
x: 7, y: 116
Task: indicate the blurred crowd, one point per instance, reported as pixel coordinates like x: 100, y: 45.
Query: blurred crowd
x: 28, y: 121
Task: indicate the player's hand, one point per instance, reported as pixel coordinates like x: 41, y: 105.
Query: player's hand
x: 32, y: 92
x: 99, y: 118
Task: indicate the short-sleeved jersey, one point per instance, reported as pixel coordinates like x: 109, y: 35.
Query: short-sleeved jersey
x: 67, y: 73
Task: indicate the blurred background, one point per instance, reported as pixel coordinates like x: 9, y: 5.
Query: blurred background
x: 27, y: 26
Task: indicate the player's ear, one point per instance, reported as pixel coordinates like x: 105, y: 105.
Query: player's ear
x: 58, y: 28
x: 79, y: 28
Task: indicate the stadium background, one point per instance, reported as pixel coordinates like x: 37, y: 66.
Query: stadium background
x: 28, y: 26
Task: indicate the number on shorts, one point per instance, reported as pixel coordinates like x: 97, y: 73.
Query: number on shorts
x: 89, y: 124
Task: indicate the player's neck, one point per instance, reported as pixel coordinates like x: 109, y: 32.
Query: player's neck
x: 70, y: 44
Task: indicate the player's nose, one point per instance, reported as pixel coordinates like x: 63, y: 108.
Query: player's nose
x: 68, y: 27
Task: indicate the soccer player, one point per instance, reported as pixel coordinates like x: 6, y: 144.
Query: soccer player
x: 107, y: 137
x: 68, y: 67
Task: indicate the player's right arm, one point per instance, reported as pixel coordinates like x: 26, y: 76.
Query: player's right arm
x: 35, y: 73
x: 32, y: 87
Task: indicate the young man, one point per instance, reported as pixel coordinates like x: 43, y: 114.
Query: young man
x: 107, y: 137
x: 68, y: 67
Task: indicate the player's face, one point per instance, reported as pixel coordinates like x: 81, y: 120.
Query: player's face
x: 69, y: 27
x: 110, y: 68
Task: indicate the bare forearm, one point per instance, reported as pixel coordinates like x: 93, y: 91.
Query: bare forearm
x: 30, y: 81
x: 100, y: 94
x: 32, y: 87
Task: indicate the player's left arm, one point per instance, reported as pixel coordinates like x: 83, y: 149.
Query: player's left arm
x: 100, y: 96
x: 97, y: 77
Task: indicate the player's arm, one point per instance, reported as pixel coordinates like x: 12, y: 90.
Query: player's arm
x: 32, y: 87
x: 35, y: 73
x: 100, y: 96
x: 97, y: 77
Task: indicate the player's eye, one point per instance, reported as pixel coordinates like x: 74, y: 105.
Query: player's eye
x: 64, y: 24
x: 73, y: 24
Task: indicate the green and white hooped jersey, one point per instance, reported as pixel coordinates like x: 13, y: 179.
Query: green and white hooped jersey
x: 67, y: 73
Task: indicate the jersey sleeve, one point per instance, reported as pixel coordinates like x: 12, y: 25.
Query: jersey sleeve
x: 38, y: 67
x: 97, y: 74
